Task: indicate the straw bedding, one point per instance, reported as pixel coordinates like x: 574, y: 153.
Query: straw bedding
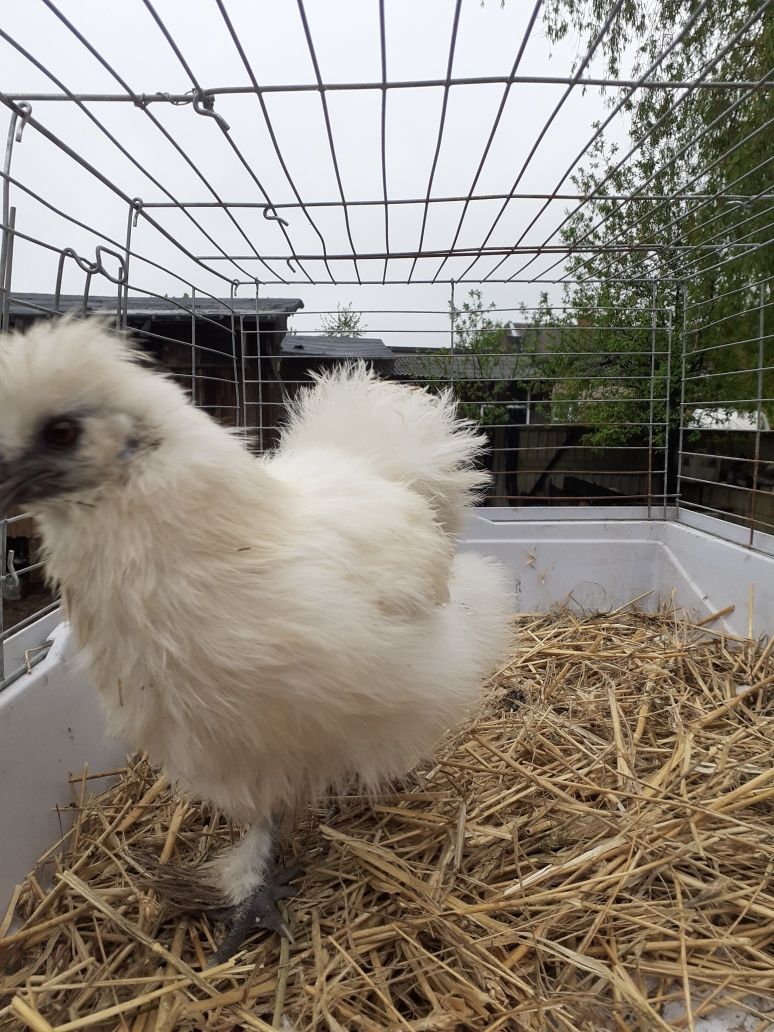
x: 594, y: 851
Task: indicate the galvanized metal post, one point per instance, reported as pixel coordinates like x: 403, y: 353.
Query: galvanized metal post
x: 453, y: 314
x: 5, y: 309
x: 234, y: 364
x: 684, y: 335
x: 653, y: 335
x: 6, y: 268
x: 3, y: 547
x: 759, y: 409
x: 259, y: 364
x: 123, y: 289
x: 193, y: 344
x: 7, y: 233
x: 243, y: 377
x: 667, y: 408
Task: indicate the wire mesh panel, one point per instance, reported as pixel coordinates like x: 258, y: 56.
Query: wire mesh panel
x: 583, y: 258
x: 562, y: 428
x: 727, y: 445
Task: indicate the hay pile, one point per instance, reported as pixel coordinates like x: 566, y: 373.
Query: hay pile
x: 594, y: 852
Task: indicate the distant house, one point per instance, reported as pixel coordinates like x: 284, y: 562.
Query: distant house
x: 219, y: 349
x: 301, y: 354
x: 501, y: 387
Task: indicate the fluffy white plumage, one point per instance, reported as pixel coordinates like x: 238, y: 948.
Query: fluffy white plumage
x: 262, y: 627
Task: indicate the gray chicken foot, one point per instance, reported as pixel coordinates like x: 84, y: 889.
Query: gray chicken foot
x: 259, y: 910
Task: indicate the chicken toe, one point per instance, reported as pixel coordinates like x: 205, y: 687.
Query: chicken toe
x: 259, y: 910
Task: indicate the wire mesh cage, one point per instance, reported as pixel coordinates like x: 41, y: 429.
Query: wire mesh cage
x: 583, y: 258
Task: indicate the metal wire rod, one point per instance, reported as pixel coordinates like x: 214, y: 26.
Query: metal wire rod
x: 173, y: 302
x: 730, y: 229
x: 132, y: 253
x: 100, y: 177
x: 227, y: 134
x: 713, y: 455
x: 328, y: 127
x: 769, y: 77
x: 567, y: 327
x: 5, y: 634
x: 495, y: 125
x: 521, y: 378
x: 383, y: 127
x: 439, y: 138
x: 735, y: 517
x: 725, y: 318
x: 496, y: 309
x: 153, y: 335
x: 722, y: 245
x: 627, y: 280
x: 483, y: 425
x: 638, y: 144
x: 168, y: 136
x: 717, y: 241
x: 724, y: 403
x: 395, y: 201
x: 394, y: 84
x: 598, y: 132
x: 676, y: 221
x: 562, y: 249
x: 760, y: 245
x: 725, y: 344
x: 555, y: 402
x: 106, y: 132
x: 576, y: 498
x: 269, y: 125
x: 732, y: 372
x: 712, y: 483
x: 714, y: 298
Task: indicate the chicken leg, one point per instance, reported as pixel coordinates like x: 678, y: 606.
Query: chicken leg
x: 258, y: 910
x: 253, y: 886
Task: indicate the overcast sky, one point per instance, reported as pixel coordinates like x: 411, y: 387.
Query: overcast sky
x: 346, y: 39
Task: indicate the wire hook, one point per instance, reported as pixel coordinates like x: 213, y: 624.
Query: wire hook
x: 26, y: 111
x: 10, y: 582
x: 271, y: 214
x: 204, y: 104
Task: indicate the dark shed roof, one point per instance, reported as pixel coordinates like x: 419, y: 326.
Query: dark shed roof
x: 310, y: 346
x: 156, y: 307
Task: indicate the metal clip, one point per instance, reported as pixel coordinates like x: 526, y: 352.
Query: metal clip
x: 137, y: 206
x: 271, y: 214
x: 204, y: 104
x: 26, y: 111
x: 10, y: 582
x: 91, y: 269
x: 120, y: 279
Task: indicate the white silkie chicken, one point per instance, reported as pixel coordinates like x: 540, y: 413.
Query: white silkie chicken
x: 263, y: 628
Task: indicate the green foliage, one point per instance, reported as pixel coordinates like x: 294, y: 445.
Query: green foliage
x: 473, y: 368
x: 483, y: 372
x: 344, y: 323
x: 682, y: 226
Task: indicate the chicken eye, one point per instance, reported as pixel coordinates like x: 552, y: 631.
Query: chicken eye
x: 61, y: 432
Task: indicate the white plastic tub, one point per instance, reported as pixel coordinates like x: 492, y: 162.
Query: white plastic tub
x: 598, y: 560
x: 50, y: 718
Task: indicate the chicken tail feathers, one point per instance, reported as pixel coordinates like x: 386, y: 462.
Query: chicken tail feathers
x: 406, y: 433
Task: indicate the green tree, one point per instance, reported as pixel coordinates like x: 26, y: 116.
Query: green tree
x: 477, y: 367
x: 693, y: 155
x: 344, y: 323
